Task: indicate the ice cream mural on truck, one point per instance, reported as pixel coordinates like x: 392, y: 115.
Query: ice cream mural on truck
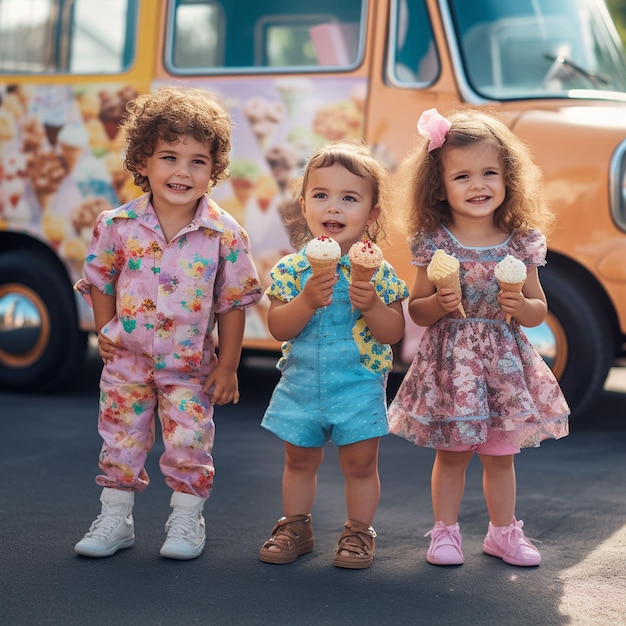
x: 278, y: 124
x: 62, y: 161
x: 293, y: 76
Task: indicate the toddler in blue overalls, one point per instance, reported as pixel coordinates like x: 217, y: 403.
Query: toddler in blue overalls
x: 336, y: 356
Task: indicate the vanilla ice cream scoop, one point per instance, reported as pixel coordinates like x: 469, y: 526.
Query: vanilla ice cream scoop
x: 510, y: 270
x: 444, y: 271
x: 323, y: 253
x: 441, y: 265
x: 511, y: 276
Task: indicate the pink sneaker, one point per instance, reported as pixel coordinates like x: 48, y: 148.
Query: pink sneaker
x: 445, y: 545
x: 510, y: 544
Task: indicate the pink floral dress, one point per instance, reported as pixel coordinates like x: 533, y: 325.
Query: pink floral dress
x: 475, y: 375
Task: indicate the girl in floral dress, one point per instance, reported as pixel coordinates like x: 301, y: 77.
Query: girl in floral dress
x: 336, y: 356
x: 161, y: 273
x: 476, y: 383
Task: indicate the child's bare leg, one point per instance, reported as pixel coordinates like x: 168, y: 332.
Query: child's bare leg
x: 293, y: 533
x: 505, y: 538
x: 359, y: 463
x: 300, y: 478
x: 448, y: 484
x: 499, y: 487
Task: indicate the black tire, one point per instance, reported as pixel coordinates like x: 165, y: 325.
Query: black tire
x: 584, y: 337
x: 57, y: 348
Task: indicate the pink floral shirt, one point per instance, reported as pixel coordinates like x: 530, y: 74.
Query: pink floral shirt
x: 168, y: 294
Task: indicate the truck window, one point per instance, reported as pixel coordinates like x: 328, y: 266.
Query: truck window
x: 75, y: 36
x: 26, y: 35
x: 273, y: 35
x: 412, y: 54
x: 100, y: 36
x: 537, y: 47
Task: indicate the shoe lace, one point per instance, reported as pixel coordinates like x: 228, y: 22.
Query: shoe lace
x: 444, y: 536
x: 182, y: 523
x: 515, y: 536
x: 107, y: 521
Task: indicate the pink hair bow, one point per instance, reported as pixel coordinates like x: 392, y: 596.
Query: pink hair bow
x: 434, y: 127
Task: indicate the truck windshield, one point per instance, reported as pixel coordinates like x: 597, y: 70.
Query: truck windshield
x: 538, y: 48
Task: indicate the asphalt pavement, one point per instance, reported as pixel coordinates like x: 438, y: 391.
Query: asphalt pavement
x: 571, y: 495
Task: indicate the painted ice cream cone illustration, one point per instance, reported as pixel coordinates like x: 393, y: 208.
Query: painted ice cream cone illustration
x: 243, y: 176
x: 72, y: 142
x: 33, y: 135
x: 54, y: 228
x: 71, y: 155
x: 511, y: 276
x: 113, y: 108
x: 75, y: 251
x: 8, y: 129
x: 443, y: 271
x: 54, y: 103
x: 323, y: 254
x: 264, y: 117
x: 294, y: 93
x: 45, y: 199
x: 46, y: 171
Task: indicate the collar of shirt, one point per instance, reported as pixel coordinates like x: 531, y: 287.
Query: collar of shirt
x: 208, y: 213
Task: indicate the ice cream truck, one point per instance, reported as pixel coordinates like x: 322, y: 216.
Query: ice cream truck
x: 293, y: 76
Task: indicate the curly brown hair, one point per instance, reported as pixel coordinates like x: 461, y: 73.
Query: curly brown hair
x: 167, y: 114
x: 356, y: 157
x: 421, y: 177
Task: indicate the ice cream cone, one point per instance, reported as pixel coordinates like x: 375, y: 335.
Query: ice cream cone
x: 71, y: 155
x: 517, y: 287
x: 45, y: 198
x: 365, y: 258
x: 451, y: 281
x: 323, y: 254
x: 444, y: 272
x: 362, y: 272
x: 111, y: 129
x: 323, y: 266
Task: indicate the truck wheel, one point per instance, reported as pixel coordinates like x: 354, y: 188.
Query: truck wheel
x: 576, y: 340
x: 41, y: 347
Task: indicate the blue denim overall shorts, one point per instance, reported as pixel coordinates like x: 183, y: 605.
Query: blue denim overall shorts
x: 325, y: 393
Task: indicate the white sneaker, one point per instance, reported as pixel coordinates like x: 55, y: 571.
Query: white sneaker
x: 185, y: 528
x: 113, y: 529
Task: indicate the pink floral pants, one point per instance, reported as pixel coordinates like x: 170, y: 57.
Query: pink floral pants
x: 130, y: 391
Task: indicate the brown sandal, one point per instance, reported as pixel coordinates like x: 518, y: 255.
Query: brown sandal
x: 358, y: 540
x: 293, y: 536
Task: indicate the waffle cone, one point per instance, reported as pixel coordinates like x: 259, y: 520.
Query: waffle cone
x: 44, y: 198
x: 517, y: 287
x: 361, y: 272
x: 451, y: 281
x: 325, y: 266
x: 71, y: 155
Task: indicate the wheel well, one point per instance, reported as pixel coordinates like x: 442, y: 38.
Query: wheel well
x: 588, y: 283
x: 16, y: 241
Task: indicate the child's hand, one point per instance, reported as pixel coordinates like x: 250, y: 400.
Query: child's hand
x: 448, y: 299
x: 106, y: 348
x: 222, y: 385
x: 318, y: 291
x: 512, y: 302
x: 362, y: 295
